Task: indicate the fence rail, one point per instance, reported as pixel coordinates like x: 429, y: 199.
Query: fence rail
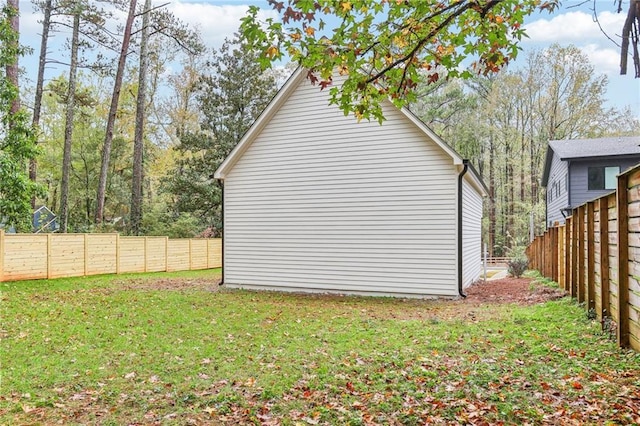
x: 39, y: 256
x: 493, y: 261
x: 595, y: 256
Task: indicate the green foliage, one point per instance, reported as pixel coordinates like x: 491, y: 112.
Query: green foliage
x: 174, y: 349
x: 88, y: 136
x: 17, y: 139
x: 503, y: 123
x: 518, y: 266
x: 158, y: 220
x: 384, y: 49
x: 231, y: 94
x: 519, y: 262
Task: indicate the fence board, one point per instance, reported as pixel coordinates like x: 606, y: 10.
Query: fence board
x: 215, y: 252
x: 66, y: 255
x: 199, y: 254
x: 156, y: 254
x: 101, y: 254
x: 604, y: 259
x: 178, y: 255
x: 596, y: 256
x: 39, y: 256
x: 623, y: 261
x: 590, y: 284
x: 634, y: 342
x: 581, y: 253
x: 567, y: 261
x: 25, y: 257
x: 131, y: 254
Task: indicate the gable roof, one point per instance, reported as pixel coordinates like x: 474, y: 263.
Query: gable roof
x: 281, y: 97
x: 574, y: 149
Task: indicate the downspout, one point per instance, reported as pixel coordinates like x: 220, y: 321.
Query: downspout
x: 460, y: 180
x: 221, y: 183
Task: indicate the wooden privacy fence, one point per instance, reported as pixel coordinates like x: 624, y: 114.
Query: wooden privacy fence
x: 595, y: 256
x: 37, y: 256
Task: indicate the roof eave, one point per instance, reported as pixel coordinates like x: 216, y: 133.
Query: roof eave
x: 457, y: 159
x: 257, y: 126
x: 595, y: 157
x: 547, y: 166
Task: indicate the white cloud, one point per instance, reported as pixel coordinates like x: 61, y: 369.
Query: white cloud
x: 575, y: 26
x: 29, y: 19
x: 604, y: 60
x: 215, y: 23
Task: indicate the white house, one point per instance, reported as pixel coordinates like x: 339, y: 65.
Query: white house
x: 316, y: 202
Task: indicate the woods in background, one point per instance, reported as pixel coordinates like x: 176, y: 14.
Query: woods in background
x: 503, y: 124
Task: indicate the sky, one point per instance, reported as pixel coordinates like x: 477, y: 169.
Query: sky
x: 573, y: 24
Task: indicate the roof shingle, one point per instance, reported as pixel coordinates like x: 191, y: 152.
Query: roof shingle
x: 601, y: 147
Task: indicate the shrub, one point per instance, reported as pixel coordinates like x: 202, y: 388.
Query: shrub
x: 517, y: 266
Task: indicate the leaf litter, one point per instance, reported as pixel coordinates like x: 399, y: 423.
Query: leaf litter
x: 496, y: 357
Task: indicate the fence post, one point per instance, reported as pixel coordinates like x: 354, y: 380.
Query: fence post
x: 545, y: 259
x: 580, y: 242
x: 604, y: 258
x: 567, y: 254
x: 555, y: 264
x: 190, y: 254
x: 591, y: 270
x: 574, y: 254
x: 562, y: 273
x: 623, y: 261
x: 538, y: 255
x: 1, y: 255
x: 49, y: 249
x: 541, y: 254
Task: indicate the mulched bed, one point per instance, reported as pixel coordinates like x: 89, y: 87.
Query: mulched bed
x: 512, y: 290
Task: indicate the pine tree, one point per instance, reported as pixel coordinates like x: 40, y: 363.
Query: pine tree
x: 231, y: 96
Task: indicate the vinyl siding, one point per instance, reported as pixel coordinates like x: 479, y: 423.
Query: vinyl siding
x: 558, y: 173
x: 319, y: 202
x: 579, y: 170
x: 471, y: 234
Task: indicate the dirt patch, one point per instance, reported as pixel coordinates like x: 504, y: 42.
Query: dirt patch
x: 207, y: 284
x: 512, y: 290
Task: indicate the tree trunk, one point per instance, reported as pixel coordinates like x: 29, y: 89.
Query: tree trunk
x: 534, y: 171
x: 492, y: 198
x: 68, y: 128
x: 37, y: 102
x: 12, y: 69
x: 138, y: 140
x: 117, y: 85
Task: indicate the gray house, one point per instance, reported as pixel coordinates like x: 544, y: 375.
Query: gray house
x: 317, y: 202
x: 580, y: 170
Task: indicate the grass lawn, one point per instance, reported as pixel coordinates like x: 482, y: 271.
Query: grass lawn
x: 173, y: 349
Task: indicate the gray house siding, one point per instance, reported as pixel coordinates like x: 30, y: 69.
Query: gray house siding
x: 316, y: 202
x: 471, y: 234
x: 319, y: 202
x: 557, y: 191
x: 579, y: 170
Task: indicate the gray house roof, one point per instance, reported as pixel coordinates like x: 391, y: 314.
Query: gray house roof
x: 572, y: 149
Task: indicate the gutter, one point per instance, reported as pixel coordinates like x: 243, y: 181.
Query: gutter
x: 460, y: 179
